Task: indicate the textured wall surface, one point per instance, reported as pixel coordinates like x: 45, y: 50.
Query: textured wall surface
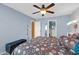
x: 13, y: 26
x: 61, y: 21
x: 75, y: 16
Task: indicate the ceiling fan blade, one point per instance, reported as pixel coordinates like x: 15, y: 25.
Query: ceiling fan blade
x: 50, y: 12
x: 36, y: 12
x: 37, y: 6
x: 51, y: 5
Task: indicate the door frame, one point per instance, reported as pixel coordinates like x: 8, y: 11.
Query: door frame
x: 55, y: 27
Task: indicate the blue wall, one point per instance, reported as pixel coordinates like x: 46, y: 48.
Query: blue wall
x: 62, y: 27
x: 13, y: 25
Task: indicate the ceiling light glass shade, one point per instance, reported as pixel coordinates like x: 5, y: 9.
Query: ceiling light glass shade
x: 71, y: 22
x: 74, y: 21
x: 43, y: 11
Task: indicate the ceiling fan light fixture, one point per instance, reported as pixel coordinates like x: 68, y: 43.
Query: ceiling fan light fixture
x: 43, y: 11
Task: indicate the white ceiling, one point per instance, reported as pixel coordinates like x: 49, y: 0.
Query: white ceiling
x: 59, y: 9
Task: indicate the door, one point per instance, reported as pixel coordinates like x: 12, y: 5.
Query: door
x: 35, y: 29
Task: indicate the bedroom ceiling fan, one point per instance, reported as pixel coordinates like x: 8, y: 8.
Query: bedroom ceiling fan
x: 43, y: 10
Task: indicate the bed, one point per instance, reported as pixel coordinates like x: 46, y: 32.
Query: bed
x: 41, y: 46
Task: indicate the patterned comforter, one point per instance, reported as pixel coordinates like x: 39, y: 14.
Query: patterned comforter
x: 42, y: 46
